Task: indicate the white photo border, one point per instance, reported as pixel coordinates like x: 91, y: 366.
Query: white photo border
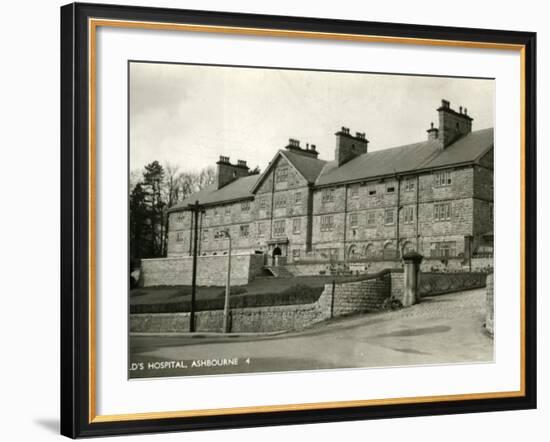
x: 115, y: 395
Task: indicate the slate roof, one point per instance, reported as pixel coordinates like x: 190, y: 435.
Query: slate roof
x: 234, y: 191
x: 307, y: 166
x: 402, y: 159
x: 408, y: 158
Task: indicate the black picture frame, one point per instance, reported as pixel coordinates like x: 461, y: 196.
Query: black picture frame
x: 76, y: 403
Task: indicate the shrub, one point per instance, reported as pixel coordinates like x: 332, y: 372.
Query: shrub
x: 297, y: 294
x: 234, y: 291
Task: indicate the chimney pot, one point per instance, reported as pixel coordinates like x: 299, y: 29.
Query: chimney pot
x: 293, y: 142
x: 452, y: 124
x: 349, y: 147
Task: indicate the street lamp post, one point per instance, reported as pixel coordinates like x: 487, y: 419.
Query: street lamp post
x: 226, y: 234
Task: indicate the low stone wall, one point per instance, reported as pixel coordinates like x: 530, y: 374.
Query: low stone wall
x: 250, y: 319
x: 349, y: 298
x: 481, y: 264
x: 211, y: 270
x: 439, y: 283
x: 490, y: 306
x: 428, y: 264
x: 360, y: 296
x: 363, y: 267
x: 455, y: 265
x: 397, y: 284
x: 307, y: 269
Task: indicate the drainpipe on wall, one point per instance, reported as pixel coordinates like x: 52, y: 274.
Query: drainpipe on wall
x: 470, y: 238
x: 200, y: 231
x: 332, y: 297
x: 345, y: 219
x: 417, y: 213
x: 273, y: 174
x: 309, y: 218
x: 397, y: 221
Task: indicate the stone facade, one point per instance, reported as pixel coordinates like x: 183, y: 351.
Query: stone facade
x: 361, y: 225
x: 442, y: 212
x: 211, y: 270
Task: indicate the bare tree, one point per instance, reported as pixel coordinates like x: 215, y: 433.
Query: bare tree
x: 136, y: 176
x: 160, y: 188
x: 171, y: 188
x: 205, y: 178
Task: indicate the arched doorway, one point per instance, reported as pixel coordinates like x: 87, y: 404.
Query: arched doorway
x: 389, y: 251
x: 276, y: 252
x: 369, y: 251
x: 353, y: 252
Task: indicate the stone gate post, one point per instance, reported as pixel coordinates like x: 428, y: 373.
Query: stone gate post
x: 411, y: 269
x: 490, y: 305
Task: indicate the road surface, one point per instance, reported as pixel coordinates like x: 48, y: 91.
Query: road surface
x: 440, y: 330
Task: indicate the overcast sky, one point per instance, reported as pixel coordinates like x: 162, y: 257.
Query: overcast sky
x: 190, y: 115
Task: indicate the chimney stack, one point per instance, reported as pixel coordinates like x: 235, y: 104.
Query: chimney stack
x: 294, y: 146
x: 452, y: 124
x: 228, y: 172
x: 349, y: 146
x: 432, y: 132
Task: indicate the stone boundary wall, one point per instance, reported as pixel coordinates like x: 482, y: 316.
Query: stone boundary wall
x: 428, y: 264
x: 360, y: 296
x: 490, y: 306
x: 315, y: 268
x: 349, y: 298
x: 479, y: 264
x: 397, y: 285
x: 249, y: 319
x: 439, y: 283
x: 455, y: 265
x: 211, y: 270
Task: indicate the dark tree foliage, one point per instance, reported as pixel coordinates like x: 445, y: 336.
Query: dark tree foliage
x: 154, y: 190
x: 139, y: 243
x: 153, y: 179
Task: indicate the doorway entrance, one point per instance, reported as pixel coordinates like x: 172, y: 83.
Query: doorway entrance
x: 276, y: 252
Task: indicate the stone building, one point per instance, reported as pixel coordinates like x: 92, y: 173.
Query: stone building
x: 434, y: 196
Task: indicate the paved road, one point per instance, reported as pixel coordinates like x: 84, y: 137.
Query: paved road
x: 441, y: 329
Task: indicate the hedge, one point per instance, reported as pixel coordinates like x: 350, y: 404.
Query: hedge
x: 298, y: 294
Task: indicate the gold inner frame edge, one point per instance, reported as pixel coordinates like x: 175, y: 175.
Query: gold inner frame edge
x: 93, y: 24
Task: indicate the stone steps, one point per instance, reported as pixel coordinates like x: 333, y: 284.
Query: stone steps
x: 279, y: 272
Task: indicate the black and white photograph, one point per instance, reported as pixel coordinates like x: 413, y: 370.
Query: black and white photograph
x: 274, y: 221
x: 284, y: 220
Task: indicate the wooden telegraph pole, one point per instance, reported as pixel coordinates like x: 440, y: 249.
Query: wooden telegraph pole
x: 196, y: 209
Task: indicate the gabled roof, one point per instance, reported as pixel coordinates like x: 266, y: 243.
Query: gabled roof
x: 425, y: 155
x: 234, y: 191
x: 309, y: 168
x: 408, y: 158
x: 306, y: 166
